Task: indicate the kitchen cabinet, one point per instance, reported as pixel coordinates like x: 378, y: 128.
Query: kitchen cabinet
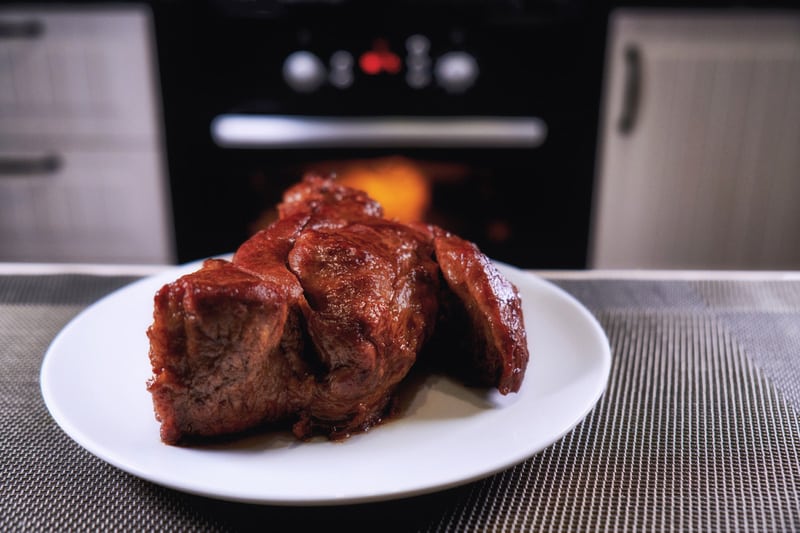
x: 699, y: 153
x: 82, y: 164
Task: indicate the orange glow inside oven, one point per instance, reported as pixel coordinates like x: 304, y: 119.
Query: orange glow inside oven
x: 397, y: 183
x: 403, y: 186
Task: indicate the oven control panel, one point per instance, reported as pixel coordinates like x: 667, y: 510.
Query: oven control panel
x: 413, y: 64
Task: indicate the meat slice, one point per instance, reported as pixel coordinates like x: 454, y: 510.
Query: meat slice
x: 481, y: 333
x: 371, y: 290
x: 224, y: 350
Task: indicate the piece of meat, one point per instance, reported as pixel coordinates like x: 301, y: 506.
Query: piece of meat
x: 481, y: 318
x: 328, y: 201
x: 224, y: 350
x: 371, y: 290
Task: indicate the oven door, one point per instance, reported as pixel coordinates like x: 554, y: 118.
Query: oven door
x: 487, y: 179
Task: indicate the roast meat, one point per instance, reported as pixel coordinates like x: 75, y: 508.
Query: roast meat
x: 316, y: 321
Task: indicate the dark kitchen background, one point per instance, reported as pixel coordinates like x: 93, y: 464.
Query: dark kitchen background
x: 556, y: 134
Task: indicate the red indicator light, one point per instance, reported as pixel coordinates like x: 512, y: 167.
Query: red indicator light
x: 370, y: 63
x: 380, y: 59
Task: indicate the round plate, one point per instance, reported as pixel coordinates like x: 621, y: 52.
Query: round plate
x: 94, y: 375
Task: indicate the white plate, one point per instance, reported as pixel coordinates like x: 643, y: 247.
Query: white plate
x: 93, y: 382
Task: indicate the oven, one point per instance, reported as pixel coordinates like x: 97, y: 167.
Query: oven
x: 480, y: 117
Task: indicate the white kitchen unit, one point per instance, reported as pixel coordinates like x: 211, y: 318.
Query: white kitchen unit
x: 82, y: 162
x: 699, y: 157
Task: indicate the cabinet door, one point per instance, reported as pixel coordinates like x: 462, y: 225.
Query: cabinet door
x: 79, y: 73
x: 699, y: 162
x: 82, y: 207
x: 82, y: 166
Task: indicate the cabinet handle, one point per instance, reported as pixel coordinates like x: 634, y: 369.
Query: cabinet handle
x: 632, y: 90
x: 42, y: 165
x: 21, y: 29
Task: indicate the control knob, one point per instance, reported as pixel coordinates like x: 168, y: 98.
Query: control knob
x: 303, y: 71
x: 456, y: 72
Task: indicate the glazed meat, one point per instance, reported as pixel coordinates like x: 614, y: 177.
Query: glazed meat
x: 371, y: 292
x: 328, y: 201
x: 317, y: 320
x: 481, y: 315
